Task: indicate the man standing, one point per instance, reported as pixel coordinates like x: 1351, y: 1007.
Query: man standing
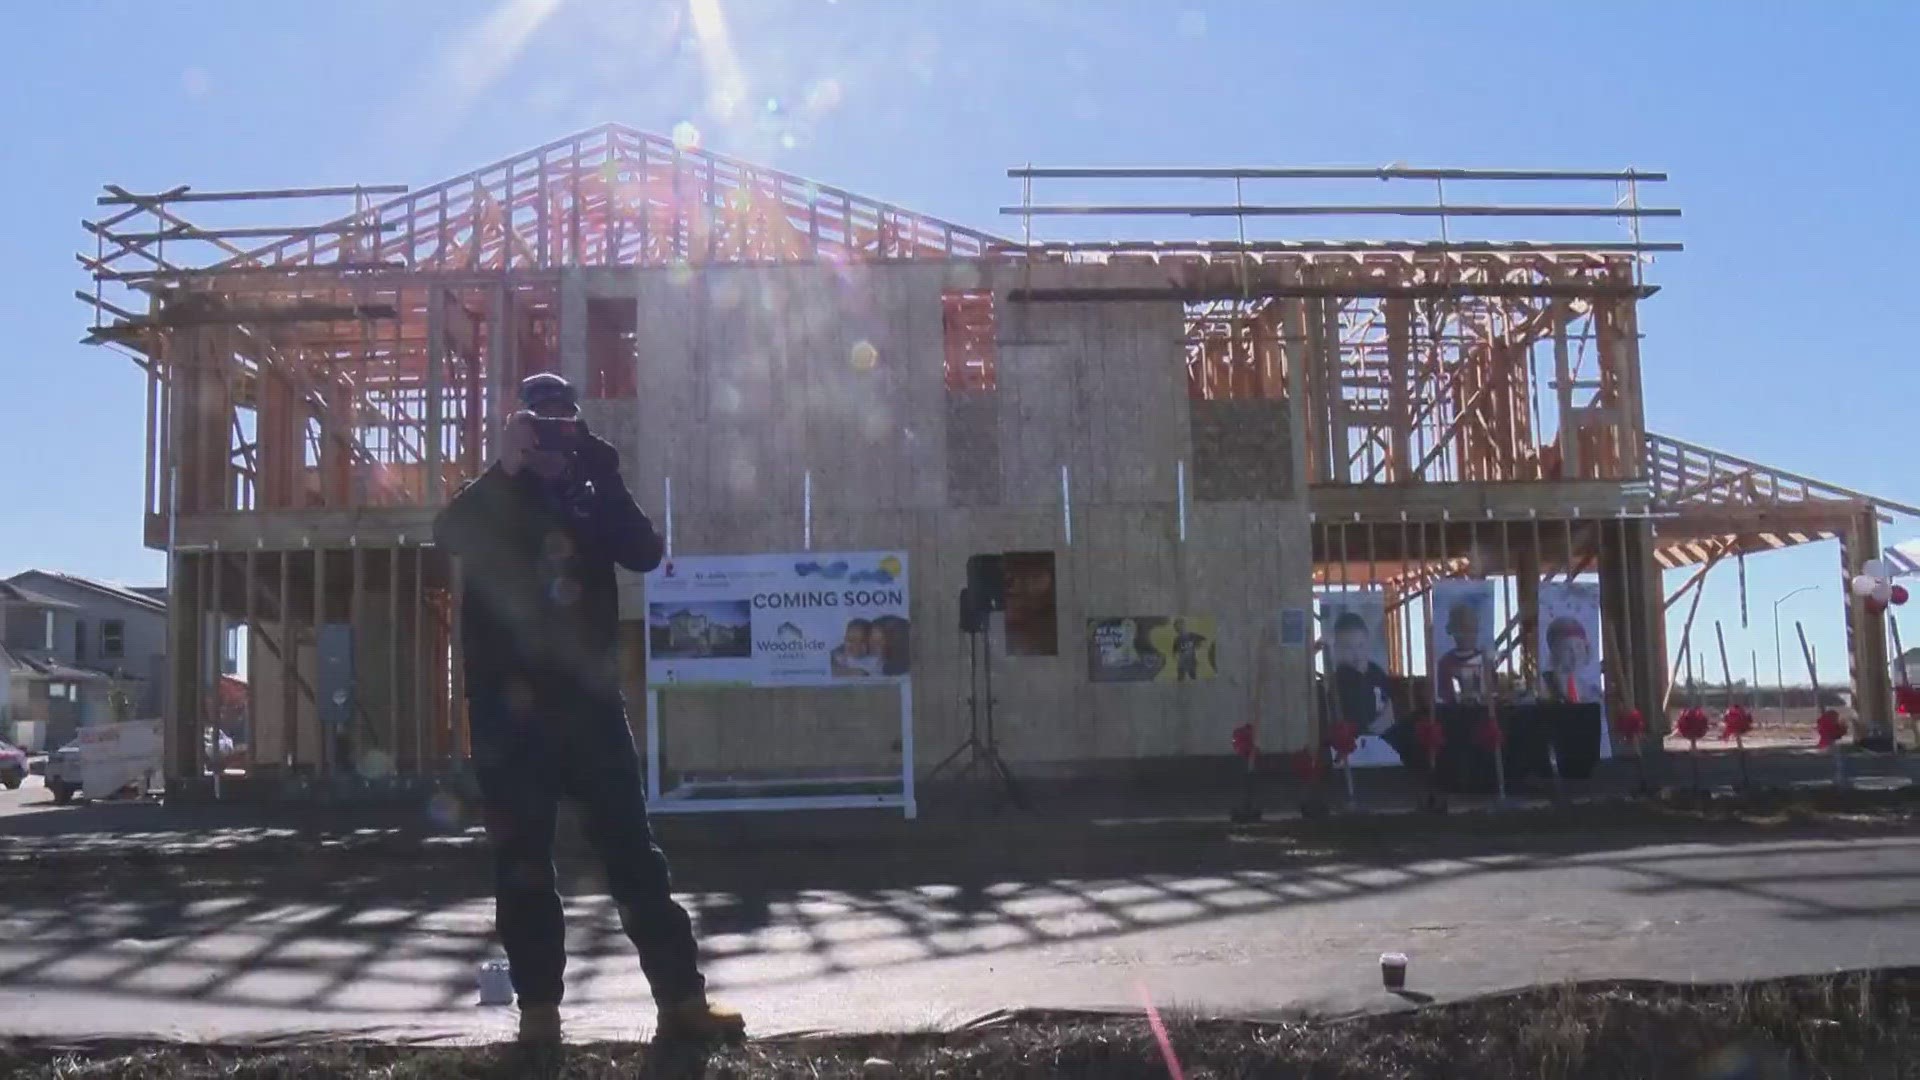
x: 538, y: 535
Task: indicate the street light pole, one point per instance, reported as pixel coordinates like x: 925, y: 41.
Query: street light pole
x: 1779, y: 673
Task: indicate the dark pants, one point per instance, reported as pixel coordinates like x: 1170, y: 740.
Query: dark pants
x: 530, y: 750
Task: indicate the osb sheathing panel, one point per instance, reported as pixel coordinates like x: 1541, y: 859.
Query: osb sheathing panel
x: 752, y: 379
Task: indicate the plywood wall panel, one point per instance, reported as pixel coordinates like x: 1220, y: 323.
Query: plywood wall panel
x: 757, y: 379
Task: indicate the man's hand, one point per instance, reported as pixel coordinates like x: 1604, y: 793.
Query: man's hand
x: 516, y: 442
x: 597, y: 458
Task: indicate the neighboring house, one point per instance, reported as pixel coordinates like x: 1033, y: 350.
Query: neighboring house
x: 67, y: 643
x: 1904, y: 558
x: 687, y: 630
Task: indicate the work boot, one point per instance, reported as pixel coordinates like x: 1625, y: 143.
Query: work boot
x: 698, y: 1020
x: 540, y: 1024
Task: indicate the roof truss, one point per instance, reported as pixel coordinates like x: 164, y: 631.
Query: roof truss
x: 608, y: 196
x: 1718, y: 504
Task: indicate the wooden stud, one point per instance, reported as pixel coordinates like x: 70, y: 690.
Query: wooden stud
x: 436, y: 359
x: 393, y: 654
x: 319, y: 621
x: 419, y: 636
x: 457, y: 701
x: 352, y: 749
x: 204, y: 586
x: 1426, y: 610
x: 249, y: 586
x: 289, y: 664
x: 1515, y: 617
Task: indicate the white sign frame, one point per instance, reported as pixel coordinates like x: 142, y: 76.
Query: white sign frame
x: 685, y: 796
x: 115, y: 756
x: 689, y: 796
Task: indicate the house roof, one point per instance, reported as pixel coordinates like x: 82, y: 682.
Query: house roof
x: 1905, y: 559
x: 14, y: 594
x: 104, y: 588
x: 21, y: 666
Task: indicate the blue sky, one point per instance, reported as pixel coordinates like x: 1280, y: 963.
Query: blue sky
x: 1788, y: 132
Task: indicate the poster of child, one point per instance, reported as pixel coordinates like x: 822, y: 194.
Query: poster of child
x: 871, y: 648
x: 1461, y: 640
x: 1353, y: 631
x: 1570, y: 670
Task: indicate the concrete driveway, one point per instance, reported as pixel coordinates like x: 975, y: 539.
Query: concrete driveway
x: 362, y: 958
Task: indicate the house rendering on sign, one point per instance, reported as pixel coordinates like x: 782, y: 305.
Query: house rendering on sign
x: 66, y: 643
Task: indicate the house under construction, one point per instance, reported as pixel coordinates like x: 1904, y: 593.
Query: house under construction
x: 1217, y: 426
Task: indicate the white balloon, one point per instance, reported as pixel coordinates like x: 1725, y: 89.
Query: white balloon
x: 1877, y: 568
x: 1863, y: 585
x: 1882, y: 592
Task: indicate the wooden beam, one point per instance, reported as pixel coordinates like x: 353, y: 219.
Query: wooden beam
x: 185, y: 194
x: 1520, y: 499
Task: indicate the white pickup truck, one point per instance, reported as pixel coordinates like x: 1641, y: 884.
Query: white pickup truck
x: 63, y: 773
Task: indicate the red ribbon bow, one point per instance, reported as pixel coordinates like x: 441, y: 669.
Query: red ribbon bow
x: 1693, y: 724
x: 1343, y: 737
x: 1307, y: 764
x: 1830, y: 728
x: 1490, y: 735
x: 1737, y: 722
x: 1907, y: 700
x: 1632, y: 725
x: 1243, y: 742
x: 1430, y: 734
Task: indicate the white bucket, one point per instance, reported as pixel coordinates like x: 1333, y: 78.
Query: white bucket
x: 496, y: 983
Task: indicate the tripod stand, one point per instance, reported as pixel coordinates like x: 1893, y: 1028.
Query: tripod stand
x: 980, y: 753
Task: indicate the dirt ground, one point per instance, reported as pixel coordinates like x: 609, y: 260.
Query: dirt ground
x: 1858, y: 1025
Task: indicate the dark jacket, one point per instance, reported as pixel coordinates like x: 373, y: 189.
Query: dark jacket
x: 539, y: 602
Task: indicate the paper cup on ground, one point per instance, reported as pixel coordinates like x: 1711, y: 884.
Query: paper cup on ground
x: 496, y: 983
x: 1393, y: 970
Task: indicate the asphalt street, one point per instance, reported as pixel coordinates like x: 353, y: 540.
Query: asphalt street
x: 356, y: 961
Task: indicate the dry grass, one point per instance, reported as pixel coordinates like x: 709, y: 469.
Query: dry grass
x: 1859, y: 1025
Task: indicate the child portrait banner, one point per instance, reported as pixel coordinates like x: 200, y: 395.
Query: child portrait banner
x: 1570, y: 642
x: 1461, y: 639
x: 1353, y: 629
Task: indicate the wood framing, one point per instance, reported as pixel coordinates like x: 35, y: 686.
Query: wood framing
x: 1401, y: 409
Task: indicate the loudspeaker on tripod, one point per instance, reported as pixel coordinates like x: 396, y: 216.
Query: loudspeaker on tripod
x: 973, y: 620
x: 986, y: 580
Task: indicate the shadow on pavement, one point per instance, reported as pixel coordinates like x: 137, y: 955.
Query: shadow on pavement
x: 344, y: 931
